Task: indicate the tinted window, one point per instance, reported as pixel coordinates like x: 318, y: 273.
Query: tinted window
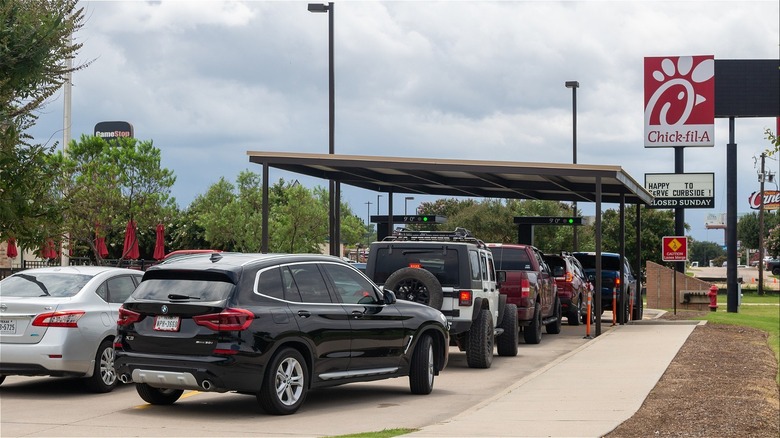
x: 269, y: 283
x: 40, y: 285
x: 607, y: 263
x: 120, y: 288
x: 442, y: 264
x: 216, y: 289
x: 311, y: 285
x: 352, y: 287
x: 511, y: 259
x: 474, y: 263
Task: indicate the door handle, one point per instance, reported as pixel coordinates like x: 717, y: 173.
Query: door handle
x: 357, y: 314
x: 304, y: 313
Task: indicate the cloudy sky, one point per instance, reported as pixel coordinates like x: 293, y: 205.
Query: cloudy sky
x: 208, y: 81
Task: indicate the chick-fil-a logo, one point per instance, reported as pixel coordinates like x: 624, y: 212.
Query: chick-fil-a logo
x: 680, y: 101
x: 771, y: 200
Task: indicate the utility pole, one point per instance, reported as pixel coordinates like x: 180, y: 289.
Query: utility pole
x: 761, y: 178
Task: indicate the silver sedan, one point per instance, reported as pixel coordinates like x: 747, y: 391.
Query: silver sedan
x: 61, y: 321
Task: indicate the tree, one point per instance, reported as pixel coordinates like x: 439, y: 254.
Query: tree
x: 655, y: 224
x: 34, y: 43
x: 747, y: 227
x: 703, y: 252
x: 104, y: 185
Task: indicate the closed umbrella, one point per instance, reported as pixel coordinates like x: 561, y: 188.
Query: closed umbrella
x: 100, y: 243
x: 48, y: 251
x: 11, y: 251
x: 159, y: 244
x: 131, y: 242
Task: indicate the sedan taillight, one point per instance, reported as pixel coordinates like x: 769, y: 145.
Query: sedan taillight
x: 68, y: 318
x: 226, y: 320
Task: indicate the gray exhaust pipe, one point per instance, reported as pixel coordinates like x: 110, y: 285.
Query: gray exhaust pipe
x: 125, y: 378
x: 206, y: 385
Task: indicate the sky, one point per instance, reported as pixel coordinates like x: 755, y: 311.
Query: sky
x: 207, y: 81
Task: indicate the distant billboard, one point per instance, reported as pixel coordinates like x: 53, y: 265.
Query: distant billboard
x: 112, y: 130
x: 679, y: 101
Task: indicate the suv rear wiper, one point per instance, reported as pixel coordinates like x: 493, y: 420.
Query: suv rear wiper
x: 181, y: 297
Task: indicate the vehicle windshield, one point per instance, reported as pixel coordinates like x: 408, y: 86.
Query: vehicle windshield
x: 608, y: 263
x: 43, y: 285
x: 511, y: 259
x: 442, y: 264
x: 166, y: 289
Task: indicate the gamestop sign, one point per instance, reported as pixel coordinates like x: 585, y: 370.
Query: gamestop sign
x: 679, y: 101
x: 771, y: 200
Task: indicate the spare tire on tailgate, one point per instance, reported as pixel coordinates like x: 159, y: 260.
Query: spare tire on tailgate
x: 418, y: 285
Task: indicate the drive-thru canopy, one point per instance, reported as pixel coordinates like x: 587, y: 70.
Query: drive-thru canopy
x: 449, y: 177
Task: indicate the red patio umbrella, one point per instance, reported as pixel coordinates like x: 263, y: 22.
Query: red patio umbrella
x: 11, y: 251
x: 48, y: 251
x: 100, y: 243
x: 130, y: 250
x: 159, y: 244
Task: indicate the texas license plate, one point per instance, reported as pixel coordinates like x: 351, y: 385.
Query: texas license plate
x: 167, y: 323
x: 7, y: 326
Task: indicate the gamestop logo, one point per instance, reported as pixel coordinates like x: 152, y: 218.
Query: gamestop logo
x: 680, y: 101
x: 771, y: 200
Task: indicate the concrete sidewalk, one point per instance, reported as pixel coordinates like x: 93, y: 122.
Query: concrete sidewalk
x: 608, y: 380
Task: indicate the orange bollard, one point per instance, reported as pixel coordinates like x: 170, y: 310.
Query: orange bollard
x: 587, y: 324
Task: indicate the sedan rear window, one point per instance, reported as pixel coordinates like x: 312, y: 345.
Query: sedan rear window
x: 43, y: 285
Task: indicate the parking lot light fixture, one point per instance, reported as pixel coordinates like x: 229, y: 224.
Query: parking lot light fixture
x: 407, y: 199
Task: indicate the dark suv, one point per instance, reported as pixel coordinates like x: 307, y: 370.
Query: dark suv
x: 572, y: 285
x: 273, y: 325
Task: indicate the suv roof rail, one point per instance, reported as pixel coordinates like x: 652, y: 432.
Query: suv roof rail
x: 457, y: 235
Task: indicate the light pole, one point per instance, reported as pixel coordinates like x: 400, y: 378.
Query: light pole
x: 574, y: 85
x: 407, y: 199
x: 335, y: 187
x: 377, y: 204
x: 368, y: 212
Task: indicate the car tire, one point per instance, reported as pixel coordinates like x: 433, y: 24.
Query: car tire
x: 418, y: 285
x: 479, y: 353
x: 423, y: 367
x: 158, y: 396
x: 575, y: 313
x: 285, y: 384
x: 638, y: 309
x: 532, y: 333
x: 554, y: 327
x: 776, y: 271
x: 2, y: 379
x: 104, y: 378
x: 506, y: 344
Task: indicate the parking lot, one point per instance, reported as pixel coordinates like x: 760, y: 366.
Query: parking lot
x: 62, y: 407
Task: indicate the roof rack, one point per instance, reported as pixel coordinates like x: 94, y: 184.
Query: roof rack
x: 458, y: 235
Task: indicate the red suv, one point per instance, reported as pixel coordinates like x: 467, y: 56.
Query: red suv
x: 572, y: 284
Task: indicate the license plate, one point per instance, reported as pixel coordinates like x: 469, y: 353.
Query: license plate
x: 7, y: 327
x: 167, y: 323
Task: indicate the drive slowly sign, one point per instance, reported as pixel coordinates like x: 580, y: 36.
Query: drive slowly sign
x: 679, y: 101
x: 681, y: 190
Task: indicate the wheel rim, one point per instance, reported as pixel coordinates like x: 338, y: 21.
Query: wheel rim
x: 107, y: 371
x: 289, y: 381
x: 413, y: 290
x: 431, y: 368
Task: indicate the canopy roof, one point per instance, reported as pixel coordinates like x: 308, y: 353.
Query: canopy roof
x: 477, y: 178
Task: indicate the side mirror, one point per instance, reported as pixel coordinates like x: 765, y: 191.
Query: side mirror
x: 591, y: 278
x: 389, y: 296
x: 501, y: 276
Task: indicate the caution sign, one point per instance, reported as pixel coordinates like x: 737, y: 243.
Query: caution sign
x: 674, y: 248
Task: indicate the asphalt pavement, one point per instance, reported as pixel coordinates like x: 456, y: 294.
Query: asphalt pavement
x: 609, y: 379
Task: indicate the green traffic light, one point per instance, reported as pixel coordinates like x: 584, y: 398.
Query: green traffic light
x: 571, y: 221
x: 425, y: 218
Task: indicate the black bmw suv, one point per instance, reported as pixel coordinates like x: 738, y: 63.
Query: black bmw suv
x: 273, y: 325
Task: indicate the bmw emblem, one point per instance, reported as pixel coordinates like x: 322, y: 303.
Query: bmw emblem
x: 164, y: 309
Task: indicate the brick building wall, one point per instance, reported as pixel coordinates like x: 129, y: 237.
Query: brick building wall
x: 659, y: 284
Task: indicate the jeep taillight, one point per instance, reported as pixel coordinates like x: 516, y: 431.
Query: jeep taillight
x: 127, y: 317
x: 68, y: 318
x: 465, y: 298
x: 226, y: 320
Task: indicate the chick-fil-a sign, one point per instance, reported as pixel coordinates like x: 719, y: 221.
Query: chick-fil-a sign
x: 680, y: 101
